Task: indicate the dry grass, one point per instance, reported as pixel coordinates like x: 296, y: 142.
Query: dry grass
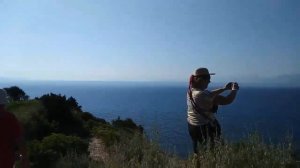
x: 138, y: 152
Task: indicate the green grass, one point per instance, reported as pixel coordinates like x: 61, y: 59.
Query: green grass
x: 251, y: 152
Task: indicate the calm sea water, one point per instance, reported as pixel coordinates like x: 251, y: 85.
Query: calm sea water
x: 274, y: 112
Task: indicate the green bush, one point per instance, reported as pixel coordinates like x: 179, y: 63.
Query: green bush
x: 16, y: 94
x: 32, y: 115
x: 107, y: 134
x: 91, y: 122
x: 111, y: 134
x: 86, y: 116
x: 61, y: 143
x: 46, y: 153
x: 139, y: 152
x: 127, y: 124
x: 65, y: 113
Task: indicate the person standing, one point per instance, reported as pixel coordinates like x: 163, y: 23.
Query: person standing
x: 202, y: 104
x: 11, y: 138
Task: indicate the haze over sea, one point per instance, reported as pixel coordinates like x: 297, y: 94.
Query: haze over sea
x: 161, y: 107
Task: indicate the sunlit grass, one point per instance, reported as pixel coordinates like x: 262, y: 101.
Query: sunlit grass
x: 251, y: 152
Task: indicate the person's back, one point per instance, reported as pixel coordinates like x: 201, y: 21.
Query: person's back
x: 194, y: 117
x: 10, y: 134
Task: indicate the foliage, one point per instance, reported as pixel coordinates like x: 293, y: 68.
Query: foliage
x: 57, y: 129
x: 73, y: 104
x: 250, y: 152
x: 86, y: 116
x: 119, y: 129
x: 74, y: 160
x: 45, y: 153
x: 65, y: 113
x: 16, y: 94
x: 139, y: 152
x: 107, y: 133
x: 91, y: 122
x: 127, y: 124
x: 33, y: 117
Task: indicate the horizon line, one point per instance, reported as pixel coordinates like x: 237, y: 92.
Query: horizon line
x: 246, y: 84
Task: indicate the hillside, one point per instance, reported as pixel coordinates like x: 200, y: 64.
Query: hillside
x: 59, y: 134
x: 55, y: 126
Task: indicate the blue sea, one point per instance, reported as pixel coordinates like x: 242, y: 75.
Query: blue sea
x: 161, y: 109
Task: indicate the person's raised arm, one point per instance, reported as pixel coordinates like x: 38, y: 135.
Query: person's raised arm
x: 217, y: 92
x: 224, y: 100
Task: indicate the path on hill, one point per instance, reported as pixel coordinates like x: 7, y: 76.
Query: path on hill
x: 97, y: 150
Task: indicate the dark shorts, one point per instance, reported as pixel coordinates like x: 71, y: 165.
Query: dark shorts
x: 205, y: 133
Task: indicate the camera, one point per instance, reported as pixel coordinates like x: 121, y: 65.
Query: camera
x: 234, y: 86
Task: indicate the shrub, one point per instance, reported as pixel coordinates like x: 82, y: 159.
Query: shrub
x: 86, y: 116
x: 33, y: 117
x: 107, y: 134
x: 127, y: 124
x: 138, y: 152
x: 90, y: 121
x: 65, y: 113
x: 46, y: 153
x: 16, y: 94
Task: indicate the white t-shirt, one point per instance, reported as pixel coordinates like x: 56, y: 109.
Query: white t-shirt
x: 204, y: 102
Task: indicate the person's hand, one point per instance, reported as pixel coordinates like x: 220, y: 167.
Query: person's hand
x: 228, y: 86
x: 235, y: 86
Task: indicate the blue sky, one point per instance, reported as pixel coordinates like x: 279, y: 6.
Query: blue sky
x: 148, y: 40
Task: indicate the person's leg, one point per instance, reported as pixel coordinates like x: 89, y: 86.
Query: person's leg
x: 219, y: 138
x: 205, y: 138
x: 218, y: 130
x: 212, y: 135
x: 214, y: 132
x: 194, y: 132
